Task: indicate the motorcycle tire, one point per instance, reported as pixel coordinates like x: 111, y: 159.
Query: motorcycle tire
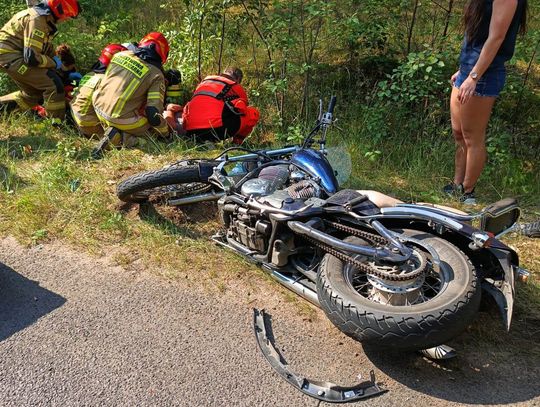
x: 411, y: 327
x: 140, y: 187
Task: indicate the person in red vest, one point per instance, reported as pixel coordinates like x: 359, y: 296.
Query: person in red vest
x: 219, y: 109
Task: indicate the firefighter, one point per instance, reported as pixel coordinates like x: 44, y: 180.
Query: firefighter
x: 173, y: 93
x: 173, y: 100
x: 27, y: 56
x: 130, y: 97
x: 82, y: 110
x: 219, y: 109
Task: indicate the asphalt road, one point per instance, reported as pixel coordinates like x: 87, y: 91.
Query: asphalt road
x: 75, y: 330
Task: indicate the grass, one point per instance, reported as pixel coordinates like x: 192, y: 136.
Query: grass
x: 51, y: 190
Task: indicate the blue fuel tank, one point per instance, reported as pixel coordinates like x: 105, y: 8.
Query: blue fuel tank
x: 315, y: 163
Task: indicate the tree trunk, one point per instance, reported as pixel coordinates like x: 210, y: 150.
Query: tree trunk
x: 220, y: 60
x: 515, y: 115
x: 448, y: 17
x: 199, y: 63
x: 411, y: 28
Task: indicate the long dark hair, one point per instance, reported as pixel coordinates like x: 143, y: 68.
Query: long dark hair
x: 474, y: 10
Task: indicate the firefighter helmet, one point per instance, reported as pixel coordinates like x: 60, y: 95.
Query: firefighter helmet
x: 109, y: 51
x: 160, y: 43
x: 64, y: 9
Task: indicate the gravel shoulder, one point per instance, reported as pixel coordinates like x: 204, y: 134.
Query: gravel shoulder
x: 76, y: 330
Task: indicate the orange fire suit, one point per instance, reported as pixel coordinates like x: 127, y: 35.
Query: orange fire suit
x: 219, y: 109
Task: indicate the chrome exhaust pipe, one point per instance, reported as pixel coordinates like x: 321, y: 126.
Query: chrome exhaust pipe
x: 211, y: 196
x: 296, y: 287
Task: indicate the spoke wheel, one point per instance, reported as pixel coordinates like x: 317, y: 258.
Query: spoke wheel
x: 408, y: 314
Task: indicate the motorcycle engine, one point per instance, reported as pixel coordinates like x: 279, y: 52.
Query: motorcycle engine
x: 278, y: 186
x: 287, y: 184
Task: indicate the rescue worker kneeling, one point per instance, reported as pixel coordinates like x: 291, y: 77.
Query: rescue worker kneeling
x: 129, y: 100
x: 27, y: 56
x: 219, y: 109
x: 82, y: 109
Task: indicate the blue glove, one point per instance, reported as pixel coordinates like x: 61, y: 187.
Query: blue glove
x: 74, y: 77
x: 58, y: 62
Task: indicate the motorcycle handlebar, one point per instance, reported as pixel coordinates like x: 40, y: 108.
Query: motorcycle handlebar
x: 332, y: 104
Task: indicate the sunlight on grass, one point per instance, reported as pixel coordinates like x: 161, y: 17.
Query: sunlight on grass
x: 50, y: 189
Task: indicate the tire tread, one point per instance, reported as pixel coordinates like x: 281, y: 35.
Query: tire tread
x: 406, y: 332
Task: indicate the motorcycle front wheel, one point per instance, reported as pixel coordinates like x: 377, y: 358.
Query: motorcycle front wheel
x: 175, y: 181
x: 393, y: 315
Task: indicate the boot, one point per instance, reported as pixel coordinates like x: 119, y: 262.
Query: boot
x: 112, y: 138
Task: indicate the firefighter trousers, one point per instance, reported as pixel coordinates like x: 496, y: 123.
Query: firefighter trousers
x: 37, y: 86
x: 88, y: 125
x: 137, y: 125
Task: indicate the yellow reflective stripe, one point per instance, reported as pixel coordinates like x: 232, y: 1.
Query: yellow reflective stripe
x: 20, y: 101
x: 174, y: 93
x: 132, y: 87
x: 54, y: 105
x: 8, y: 51
x: 163, y: 129
x: 143, y: 121
x: 29, y: 42
x: 44, y: 61
x: 154, y: 95
x: 87, y: 105
x: 85, y: 123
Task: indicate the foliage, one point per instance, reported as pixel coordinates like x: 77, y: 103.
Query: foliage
x: 388, y: 61
x: 420, y: 78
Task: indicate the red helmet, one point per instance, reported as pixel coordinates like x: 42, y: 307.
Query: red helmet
x: 160, y: 42
x: 109, y: 51
x: 64, y: 9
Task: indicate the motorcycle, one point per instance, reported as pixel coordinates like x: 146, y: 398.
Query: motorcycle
x: 405, y: 277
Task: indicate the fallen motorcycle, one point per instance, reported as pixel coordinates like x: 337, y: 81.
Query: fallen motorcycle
x: 405, y: 277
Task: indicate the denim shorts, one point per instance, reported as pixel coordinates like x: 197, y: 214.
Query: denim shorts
x: 489, y: 85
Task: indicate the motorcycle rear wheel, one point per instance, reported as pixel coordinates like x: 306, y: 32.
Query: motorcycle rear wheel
x: 409, y: 327
x: 175, y: 181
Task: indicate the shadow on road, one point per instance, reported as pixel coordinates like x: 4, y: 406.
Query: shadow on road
x: 22, y: 302
x: 484, y: 372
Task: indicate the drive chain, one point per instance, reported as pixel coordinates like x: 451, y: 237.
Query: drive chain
x: 359, y: 233
x: 367, y: 268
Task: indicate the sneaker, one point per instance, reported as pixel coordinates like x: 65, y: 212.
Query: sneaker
x: 531, y: 229
x: 112, y: 137
x: 450, y: 189
x: 466, y: 198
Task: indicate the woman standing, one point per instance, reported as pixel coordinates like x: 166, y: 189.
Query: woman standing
x: 491, y: 29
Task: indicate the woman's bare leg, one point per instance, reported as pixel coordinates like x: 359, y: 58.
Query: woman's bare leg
x: 474, y: 116
x: 461, y: 147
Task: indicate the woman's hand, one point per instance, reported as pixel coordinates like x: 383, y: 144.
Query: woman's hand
x: 466, y: 90
x: 453, y: 78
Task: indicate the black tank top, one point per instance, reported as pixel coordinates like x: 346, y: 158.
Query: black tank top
x: 470, y: 50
